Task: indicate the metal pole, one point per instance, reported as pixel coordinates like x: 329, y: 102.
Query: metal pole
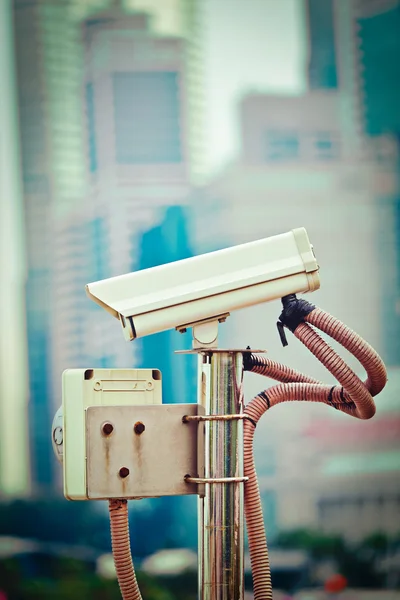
x: 221, y: 530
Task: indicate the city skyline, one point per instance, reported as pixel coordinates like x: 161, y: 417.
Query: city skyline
x: 125, y: 206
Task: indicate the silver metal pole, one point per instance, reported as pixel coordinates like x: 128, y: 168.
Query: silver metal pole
x: 221, y: 520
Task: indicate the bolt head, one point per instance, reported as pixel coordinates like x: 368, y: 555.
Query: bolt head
x: 139, y: 427
x: 107, y: 428
x: 123, y: 472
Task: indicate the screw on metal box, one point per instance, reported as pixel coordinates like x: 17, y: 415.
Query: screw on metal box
x: 107, y: 428
x: 139, y: 427
x: 124, y: 472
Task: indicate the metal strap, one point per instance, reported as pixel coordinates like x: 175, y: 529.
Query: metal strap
x: 190, y: 479
x: 198, y: 418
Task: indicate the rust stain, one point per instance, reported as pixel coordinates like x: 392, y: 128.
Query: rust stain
x: 123, y: 477
x: 137, y: 449
x: 106, y: 447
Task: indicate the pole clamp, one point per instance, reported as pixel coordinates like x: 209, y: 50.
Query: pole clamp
x: 201, y: 418
x: 190, y: 479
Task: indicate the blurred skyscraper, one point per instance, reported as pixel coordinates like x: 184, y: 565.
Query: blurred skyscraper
x: 49, y: 67
x: 110, y: 115
x: 137, y: 125
x: 354, y: 46
x: 322, y: 72
x: 141, y: 163
x: 296, y: 169
x: 359, y: 40
x: 378, y: 27
x: 14, y: 452
x: 167, y: 242
x: 184, y: 19
x: 136, y: 102
x: 358, y: 485
x: 136, y: 99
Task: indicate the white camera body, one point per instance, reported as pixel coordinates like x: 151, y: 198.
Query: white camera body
x: 207, y: 286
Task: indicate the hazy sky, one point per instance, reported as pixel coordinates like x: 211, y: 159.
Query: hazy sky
x: 249, y: 45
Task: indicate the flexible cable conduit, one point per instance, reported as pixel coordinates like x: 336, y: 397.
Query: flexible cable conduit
x: 121, y: 548
x: 352, y: 396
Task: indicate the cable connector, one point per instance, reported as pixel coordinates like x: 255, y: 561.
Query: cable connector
x: 293, y: 313
x: 248, y: 360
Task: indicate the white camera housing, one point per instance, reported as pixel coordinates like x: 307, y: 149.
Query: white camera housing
x: 207, y: 286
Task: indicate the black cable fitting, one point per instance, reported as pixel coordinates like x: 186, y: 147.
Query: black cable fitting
x: 264, y: 396
x: 293, y: 313
x: 248, y: 360
x: 330, y: 395
x: 252, y: 421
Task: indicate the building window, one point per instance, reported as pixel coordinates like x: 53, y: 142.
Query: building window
x: 281, y: 146
x: 91, y: 125
x: 380, y: 46
x: 98, y: 259
x: 147, y: 117
x: 326, y: 147
x: 322, y: 66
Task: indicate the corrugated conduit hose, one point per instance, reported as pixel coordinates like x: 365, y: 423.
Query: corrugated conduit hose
x: 351, y: 396
x: 121, y: 548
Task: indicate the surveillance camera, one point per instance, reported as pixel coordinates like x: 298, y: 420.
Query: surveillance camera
x: 207, y: 286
